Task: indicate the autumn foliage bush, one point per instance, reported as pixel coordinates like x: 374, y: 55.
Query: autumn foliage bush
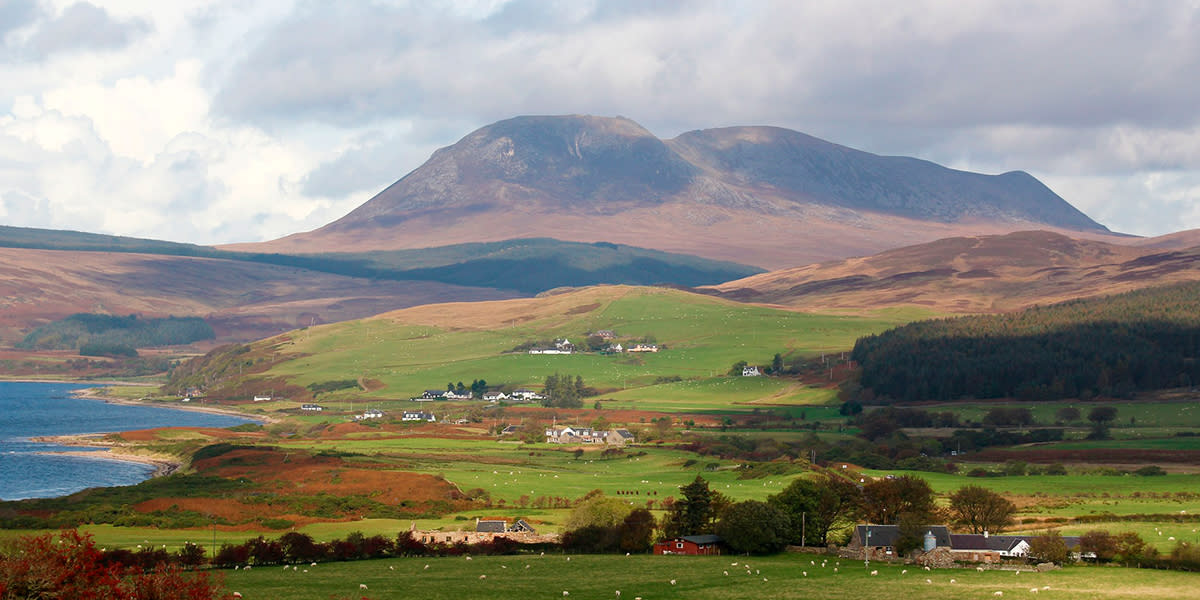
x: 70, y: 566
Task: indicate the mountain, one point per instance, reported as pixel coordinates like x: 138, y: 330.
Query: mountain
x: 973, y: 274
x: 764, y: 196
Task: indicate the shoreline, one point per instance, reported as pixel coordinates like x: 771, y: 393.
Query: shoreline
x: 162, y: 466
x: 97, y: 393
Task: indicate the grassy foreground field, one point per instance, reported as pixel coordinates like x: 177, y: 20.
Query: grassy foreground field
x: 649, y: 577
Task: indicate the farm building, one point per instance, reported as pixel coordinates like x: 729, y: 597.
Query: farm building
x: 418, y: 415
x: 879, y: 541
x: 587, y: 435
x: 312, y: 407
x: 689, y: 544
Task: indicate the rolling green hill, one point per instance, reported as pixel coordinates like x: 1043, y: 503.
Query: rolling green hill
x: 400, y: 354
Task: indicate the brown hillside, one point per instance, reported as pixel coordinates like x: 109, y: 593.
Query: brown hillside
x: 971, y: 274
x: 242, y: 300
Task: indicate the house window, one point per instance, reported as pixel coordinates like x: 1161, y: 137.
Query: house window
x: 679, y: 545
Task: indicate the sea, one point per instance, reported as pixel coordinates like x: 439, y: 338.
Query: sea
x: 29, y: 410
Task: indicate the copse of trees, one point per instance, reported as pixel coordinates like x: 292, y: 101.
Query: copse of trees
x: 564, y: 391
x: 108, y: 335
x: 1143, y: 340
x: 979, y: 509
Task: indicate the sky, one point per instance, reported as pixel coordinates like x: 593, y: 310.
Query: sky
x: 216, y: 121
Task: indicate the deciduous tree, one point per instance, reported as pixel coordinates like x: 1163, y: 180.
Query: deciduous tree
x: 980, y: 509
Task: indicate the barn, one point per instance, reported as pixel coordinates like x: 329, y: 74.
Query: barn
x: 696, y: 545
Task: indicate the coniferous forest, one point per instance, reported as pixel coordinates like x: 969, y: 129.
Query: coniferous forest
x: 1111, y: 346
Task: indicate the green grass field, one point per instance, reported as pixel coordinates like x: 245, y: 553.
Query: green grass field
x: 787, y: 576
x: 702, y: 336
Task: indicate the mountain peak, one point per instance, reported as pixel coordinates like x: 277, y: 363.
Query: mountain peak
x: 732, y: 193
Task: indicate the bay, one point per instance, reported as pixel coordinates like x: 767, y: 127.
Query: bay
x: 29, y: 410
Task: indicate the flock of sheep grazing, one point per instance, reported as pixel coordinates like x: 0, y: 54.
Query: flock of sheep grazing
x: 736, y: 564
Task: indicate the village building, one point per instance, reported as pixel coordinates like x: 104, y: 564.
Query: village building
x: 456, y: 395
x: 429, y: 395
x: 495, y: 396
x: 643, y: 348
x: 694, y: 545
x: 751, y: 371
x: 525, y: 395
x: 418, y: 415
x: 588, y: 435
x: 370, y: 413
x: 878, y: 542
x: 605, y: 334
x: 487, y: 530
x: 312, y: 407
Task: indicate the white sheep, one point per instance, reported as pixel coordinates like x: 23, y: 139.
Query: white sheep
x: 980, y: 569
x: 928, y: 581
x: 726, y: 573
x: 426, y: 566
x: 566, y: 593
x: 874, y: 572
x: 997, y: 593
x: 953, y: 581
x: 468, y: 558
x: 313, y: 565
x: 672, y: 582
x: 362, y: 586
x: 483, y: 576
x: 904, y: 572
x: 1033, y: 590
x: 804, y: 573
x: 1046, y: 587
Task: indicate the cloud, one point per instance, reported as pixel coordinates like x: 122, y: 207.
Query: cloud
x: 83, y: 26
x: 229, y: 121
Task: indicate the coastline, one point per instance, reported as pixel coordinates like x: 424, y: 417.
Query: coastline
x: 97, y: 393
x: 162, y: 466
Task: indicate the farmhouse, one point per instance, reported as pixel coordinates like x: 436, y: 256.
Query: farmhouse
x: 689, y: 544
x: 643, y: 348
x: 879, y: 541
x: 605, y: 334
x: 454, y: 395
x: 418, y: 415
x: 312, y: 407
x: 495, y: 397
x: 487, y: 530
x: 432, y: 395
x: 588, y: 435
x: 751, y: 371
x: 524, y: 395
x: 262, y: 398
x: 370, y: 413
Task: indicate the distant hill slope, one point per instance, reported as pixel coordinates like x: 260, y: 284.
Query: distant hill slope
x: 756, y: 195
x: 972, y: 274
x: 405, y: 352
x: 241, y: 300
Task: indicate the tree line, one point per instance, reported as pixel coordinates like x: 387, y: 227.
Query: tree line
x: 1112, y: 346
x: 109, y: 335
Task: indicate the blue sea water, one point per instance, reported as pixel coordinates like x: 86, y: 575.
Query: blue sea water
x: 41, y: 409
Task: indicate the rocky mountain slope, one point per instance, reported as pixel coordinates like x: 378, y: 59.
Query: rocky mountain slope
x: 765, y: 196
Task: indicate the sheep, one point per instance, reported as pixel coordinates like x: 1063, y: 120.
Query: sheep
x: 1046, y: 587
x: 928, y: 581
x: 835, y: 569
x: 483, y: 576
x: 566, y: 593
x: 672, y: 582
x: 426, y: 567
x: 764, y: 579
x: 726, y: 573
x: 1033, y: 590
x: 362, y: 586
x: 904, y: 572
x: 313, y: 565
x: 997, y: 593
x: 953, y: 581
x: 526, y: 566
x: 804, y: 573
x: 468, y: 558
x: 390, y: 568
x: 503, y: 566
x: 980, y: 569
x: 618, y: 593
x: 926, y: 568
x: 237, y: 594
x: 874, y: 573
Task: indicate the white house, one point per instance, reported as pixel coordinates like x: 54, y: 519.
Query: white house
x: 370, y: 413
x: 453, y: 395
x: 750, y: 371
x: 525, y: 395
x: 262, y: 398
x: 312, y: 407
x: 495, y: 396
x: 418, y: 415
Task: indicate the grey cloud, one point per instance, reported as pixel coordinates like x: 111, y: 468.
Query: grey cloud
x: 15, y: 14
x: 83, y: 26
x: 374, y: 163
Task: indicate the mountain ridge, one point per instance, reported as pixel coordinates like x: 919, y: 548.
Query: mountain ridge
x: 787, y: 198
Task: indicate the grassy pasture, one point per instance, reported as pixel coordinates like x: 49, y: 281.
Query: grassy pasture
x: 417, y: 349
x: 788, y: 576
x: 508, y: 471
